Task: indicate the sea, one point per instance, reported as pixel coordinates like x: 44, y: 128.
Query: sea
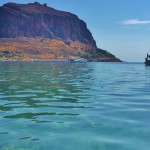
x: 74, y: 106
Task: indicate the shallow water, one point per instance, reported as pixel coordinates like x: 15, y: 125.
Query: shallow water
x: 74, y: 106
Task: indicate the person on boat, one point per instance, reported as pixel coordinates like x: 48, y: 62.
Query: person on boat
x: 148, y: 56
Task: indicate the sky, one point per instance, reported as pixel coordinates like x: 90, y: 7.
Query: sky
x: 121, y: 27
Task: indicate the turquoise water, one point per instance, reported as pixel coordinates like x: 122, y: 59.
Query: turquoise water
x: 74, y: 106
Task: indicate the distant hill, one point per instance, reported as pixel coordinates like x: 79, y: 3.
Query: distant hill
x: 37, y: 32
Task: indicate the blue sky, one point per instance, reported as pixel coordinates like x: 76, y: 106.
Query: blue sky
x: 120, y: 26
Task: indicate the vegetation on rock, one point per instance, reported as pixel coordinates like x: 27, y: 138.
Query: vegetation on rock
x: 37, y: 32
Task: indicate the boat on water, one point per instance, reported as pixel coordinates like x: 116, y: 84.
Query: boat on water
x: 79, y: 60
x: 147, y: 60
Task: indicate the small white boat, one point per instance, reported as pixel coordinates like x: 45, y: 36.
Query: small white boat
x: 77, y: 60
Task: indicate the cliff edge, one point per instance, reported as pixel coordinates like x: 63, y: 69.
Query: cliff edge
x: 35, y: 31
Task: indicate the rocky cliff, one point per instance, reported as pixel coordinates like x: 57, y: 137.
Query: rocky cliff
x: 39, y: 30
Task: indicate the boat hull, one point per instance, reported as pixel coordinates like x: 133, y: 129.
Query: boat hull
x: 147, y: 63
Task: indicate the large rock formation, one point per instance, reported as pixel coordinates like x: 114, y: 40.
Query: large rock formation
x: 59, y: 32
x: 36, y: 20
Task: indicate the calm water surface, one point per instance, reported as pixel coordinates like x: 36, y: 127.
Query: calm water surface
x: 74, y: 106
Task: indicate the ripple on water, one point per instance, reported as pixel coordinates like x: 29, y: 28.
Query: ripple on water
x: 96, y: 106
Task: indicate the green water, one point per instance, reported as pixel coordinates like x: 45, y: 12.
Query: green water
x: 74, y: 106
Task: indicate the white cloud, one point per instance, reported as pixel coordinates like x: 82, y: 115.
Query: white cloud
x: 135, y: 22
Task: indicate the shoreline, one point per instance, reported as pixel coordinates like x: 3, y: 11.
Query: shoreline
x: 55, y: 61
x: 60, y: 60
x: 34, y: 60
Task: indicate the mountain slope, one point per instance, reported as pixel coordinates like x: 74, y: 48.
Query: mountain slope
x: 35, y: 30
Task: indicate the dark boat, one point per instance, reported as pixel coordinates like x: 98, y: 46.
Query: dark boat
x: 147, y: 60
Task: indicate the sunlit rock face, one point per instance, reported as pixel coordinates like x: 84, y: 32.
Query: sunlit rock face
x: 36, y: 20
x: 35, y: 31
